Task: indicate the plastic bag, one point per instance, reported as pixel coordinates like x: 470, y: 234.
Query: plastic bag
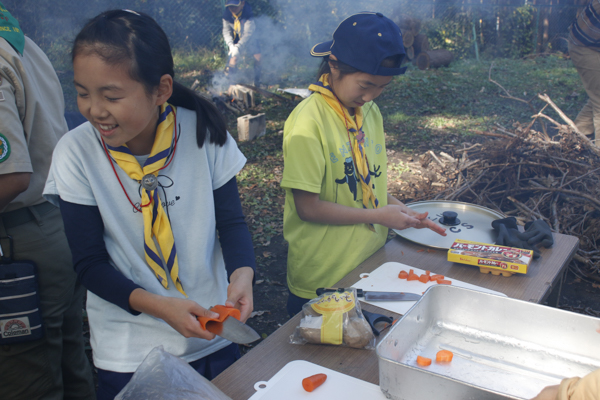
x: 334, y: 318
x: 163, y: 376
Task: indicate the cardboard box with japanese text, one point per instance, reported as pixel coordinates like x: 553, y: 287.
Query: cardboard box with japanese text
x: 492, y: 256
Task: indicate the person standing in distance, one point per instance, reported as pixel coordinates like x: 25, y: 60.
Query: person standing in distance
x: 239, y: 33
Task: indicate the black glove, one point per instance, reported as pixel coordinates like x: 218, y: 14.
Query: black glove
x: 508, y: 235
x: 537, y: 232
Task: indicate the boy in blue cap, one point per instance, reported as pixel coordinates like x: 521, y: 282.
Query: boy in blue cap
x: 238, y: 32
x: 337, y: 210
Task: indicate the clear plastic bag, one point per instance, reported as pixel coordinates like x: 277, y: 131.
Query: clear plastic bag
x: 334, y: 318
x: 163, y: 376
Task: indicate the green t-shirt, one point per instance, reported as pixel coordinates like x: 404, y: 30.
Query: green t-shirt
x: 317, y: 159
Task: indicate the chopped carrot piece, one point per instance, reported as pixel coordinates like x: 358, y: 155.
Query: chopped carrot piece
x: 420, y: 251
x: 423, y: 361
x: 312, y: 382
x: 443, y: 356
x: 403, y: 274
x: 428, y: 273
x: 444, y: 282
x: 436, y: 277
x: 424, y: 278
x: 402, y: 252
x: 412, y: 276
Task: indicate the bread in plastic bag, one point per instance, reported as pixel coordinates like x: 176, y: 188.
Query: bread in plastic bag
x: 334, y: 318
x: 163, y: 376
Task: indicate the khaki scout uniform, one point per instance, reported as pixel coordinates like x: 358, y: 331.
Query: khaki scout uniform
x: 31, y: 123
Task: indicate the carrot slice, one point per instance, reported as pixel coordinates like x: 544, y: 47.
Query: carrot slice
x: 423, y: 361
x: 436, y: 277
x: 444, y: 282
x: 443, y: 356
x: 424, y: 278
x: 312, y: 382
x: 428, y: 273
x: 403, y: 274
x: 412, y: 276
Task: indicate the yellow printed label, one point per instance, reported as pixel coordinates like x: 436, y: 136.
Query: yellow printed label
x: 333, y: 307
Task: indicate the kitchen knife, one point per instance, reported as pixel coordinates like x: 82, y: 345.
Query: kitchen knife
x: 376, y: 296
x: 228, y: 325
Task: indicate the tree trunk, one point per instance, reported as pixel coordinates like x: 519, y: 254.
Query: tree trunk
x: 433, y: 59
x: 410, y: 52
x: 421, y: 43
x: 408, y: 39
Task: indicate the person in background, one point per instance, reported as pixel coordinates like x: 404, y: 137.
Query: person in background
x: 337, y: 209
x: 584, y: 49
x: 148, y: 193
x: 31, y: 123
x: 586, y: 388
x: 239, y: 34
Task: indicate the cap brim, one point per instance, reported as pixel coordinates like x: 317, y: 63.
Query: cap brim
x: 321, y: 49
x: 233, y: 3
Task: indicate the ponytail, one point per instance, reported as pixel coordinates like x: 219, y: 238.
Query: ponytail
x: 208, y: 117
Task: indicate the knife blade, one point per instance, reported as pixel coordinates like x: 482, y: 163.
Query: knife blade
x: 233, y: 330
x: 376, y: 296
x: 228, y: 326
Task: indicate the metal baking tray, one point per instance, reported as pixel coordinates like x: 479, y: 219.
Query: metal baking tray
x: 472, y: 222
x: 503, y: 348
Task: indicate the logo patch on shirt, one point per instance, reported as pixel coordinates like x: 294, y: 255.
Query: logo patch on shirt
x: 15, y: 327
x: 4, y: 148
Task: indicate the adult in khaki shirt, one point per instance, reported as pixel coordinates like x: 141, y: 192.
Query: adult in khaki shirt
x: 31, y: 123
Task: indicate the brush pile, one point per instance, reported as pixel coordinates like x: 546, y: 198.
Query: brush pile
x: 528, y: 174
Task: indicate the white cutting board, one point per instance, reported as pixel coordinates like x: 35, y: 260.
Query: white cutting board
x: 287, y: 385
x: 385, y: 279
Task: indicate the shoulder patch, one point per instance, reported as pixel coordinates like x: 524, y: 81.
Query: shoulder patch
x: 4, y: 148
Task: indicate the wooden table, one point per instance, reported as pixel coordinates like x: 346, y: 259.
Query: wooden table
x: 541, y: 285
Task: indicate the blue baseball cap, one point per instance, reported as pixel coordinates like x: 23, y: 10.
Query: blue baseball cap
x: 233, y: 3
x: 363, y: 41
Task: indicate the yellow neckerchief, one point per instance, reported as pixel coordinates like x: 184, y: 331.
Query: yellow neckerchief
x: 361, y: 164
x: 156, y: 220
x: 237, y: 25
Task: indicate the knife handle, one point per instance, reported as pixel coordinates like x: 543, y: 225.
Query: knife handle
x: 320, y: 291
x: 223, y: 312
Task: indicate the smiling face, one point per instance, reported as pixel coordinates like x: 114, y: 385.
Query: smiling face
x: 117, y: 106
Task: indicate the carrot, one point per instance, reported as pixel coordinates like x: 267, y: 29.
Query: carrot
x: 436, y: 277
x: 444, y: 282
x: 423, y: 361
x: 412, y: 276
x: 424, y: 278
x: 312, y: 382
x: 403, y: 274
x: 428, y: 273
x: 443, y: 356
x: 420, y: 251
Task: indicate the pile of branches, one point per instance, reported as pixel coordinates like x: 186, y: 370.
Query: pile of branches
x: 552, y: 174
